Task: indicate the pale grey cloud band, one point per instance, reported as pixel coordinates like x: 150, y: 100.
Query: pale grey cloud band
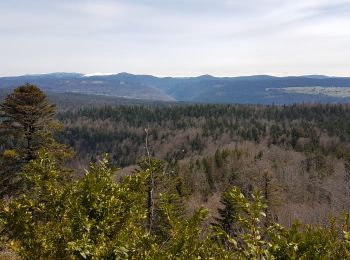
x: 182, y: 38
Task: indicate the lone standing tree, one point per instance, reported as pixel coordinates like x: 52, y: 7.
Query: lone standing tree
x: 26, y: 124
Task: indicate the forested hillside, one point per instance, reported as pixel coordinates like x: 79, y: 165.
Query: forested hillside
x: 179, y: 181
x: 304, y: 149
x: 260, y: 89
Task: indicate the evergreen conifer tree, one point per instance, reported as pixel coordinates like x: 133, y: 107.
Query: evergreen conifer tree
x: 226, y: 218
x: 26, y: 125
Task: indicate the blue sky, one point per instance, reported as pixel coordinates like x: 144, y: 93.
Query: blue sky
x: 176, y: 38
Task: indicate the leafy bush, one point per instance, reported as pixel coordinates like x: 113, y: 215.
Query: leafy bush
x: 97, y: 218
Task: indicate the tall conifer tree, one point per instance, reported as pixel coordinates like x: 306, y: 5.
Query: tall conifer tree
x: 26, y: 124
x: 226, y: 218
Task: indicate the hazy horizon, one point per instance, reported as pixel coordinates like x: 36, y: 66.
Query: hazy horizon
x: 164, y: 76
x: 177, y: 38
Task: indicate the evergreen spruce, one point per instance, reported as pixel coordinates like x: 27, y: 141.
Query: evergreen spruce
x: 26, y: 125
x: 226, y: 218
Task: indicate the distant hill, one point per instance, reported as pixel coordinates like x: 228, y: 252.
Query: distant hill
x: 259, y: 89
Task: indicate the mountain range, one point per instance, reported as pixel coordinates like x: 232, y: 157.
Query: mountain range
x: 259, y: 89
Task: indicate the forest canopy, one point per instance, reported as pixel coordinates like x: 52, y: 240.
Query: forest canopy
x: 201, y: 181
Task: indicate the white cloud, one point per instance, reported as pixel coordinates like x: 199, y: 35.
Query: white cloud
x: 185, y: 37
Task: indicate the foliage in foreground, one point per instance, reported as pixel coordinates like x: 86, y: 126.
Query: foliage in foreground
x: 97, y: 218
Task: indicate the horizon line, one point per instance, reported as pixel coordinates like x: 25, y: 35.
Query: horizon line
x: 277, y: 75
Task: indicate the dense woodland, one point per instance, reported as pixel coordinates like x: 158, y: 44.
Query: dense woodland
x: 179, y: 181
x: 304, y: 148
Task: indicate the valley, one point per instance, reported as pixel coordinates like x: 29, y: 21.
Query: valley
x: 203, y: 89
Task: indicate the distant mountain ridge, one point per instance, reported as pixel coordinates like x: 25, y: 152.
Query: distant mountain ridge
x: 258, y: 89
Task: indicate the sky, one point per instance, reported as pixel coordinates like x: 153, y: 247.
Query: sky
x: 175, y: 38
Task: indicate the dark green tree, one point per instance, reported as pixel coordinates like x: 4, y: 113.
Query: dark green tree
x: 26, y: 125
x: 226, y: 218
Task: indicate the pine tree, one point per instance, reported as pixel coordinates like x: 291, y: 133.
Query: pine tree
x: 26, y: 124
x: 226, y: 218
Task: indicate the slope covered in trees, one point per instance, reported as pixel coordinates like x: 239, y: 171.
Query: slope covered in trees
x: 303, y: 148
x: 95, y: 217
x: 229, y: 182
x: 260, y: 89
